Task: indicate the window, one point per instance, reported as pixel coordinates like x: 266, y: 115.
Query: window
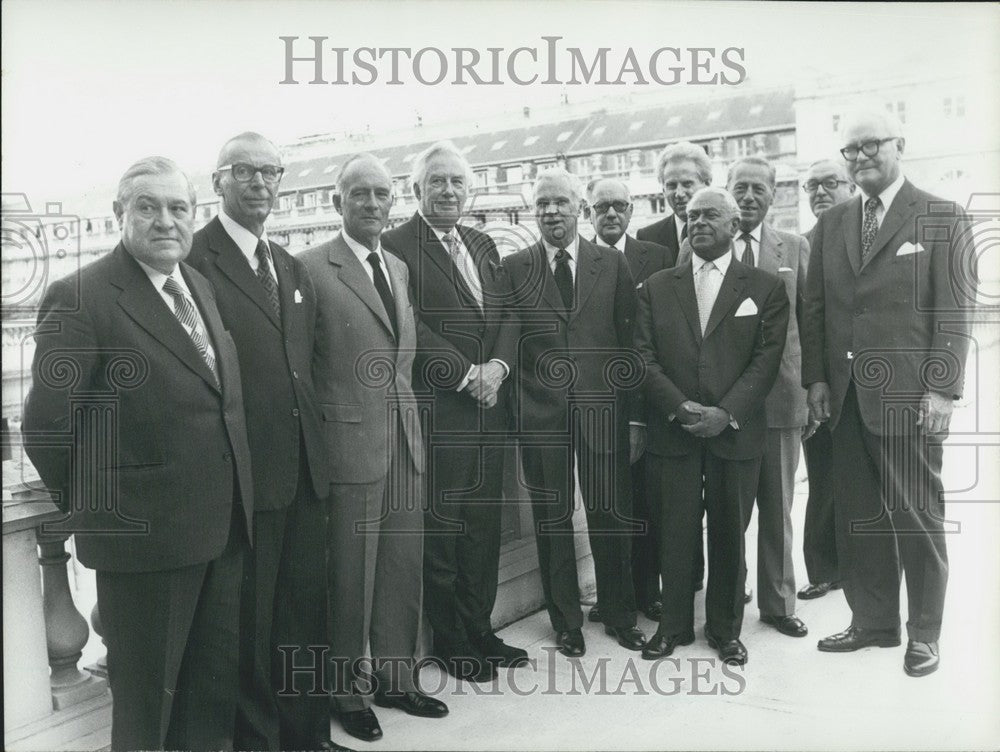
x: 673, y: 120
x: 898, y: 109
x: 598, y: 131
x: 329, y: 168
x: 622, y: 162
x: 481, y: 176
x: 954, y: 106
x: 467, y: 149
x: 530, y: 140
x: 714, y: 115
x: 409, y: 157
x: 756, y: 109
x: 498, y: 145
x: 636, y: 125
x: 564, y: 135
x: 305, y: 172
x: 836, y: 123
x: 515, y: 174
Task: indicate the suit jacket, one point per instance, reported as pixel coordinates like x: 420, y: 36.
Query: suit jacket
x: 786, y: 256
x: 645, y: 258
x: 898, y: 324
x: 275, y: 360
x: 361, y: 372
x: 583, y: 352
x: 663, y: 232
x: 179, y: 457
x: 733, y: 366
x: 450, y: 325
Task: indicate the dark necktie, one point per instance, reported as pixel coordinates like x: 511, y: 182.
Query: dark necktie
x: 747, y: 257
x: 564, y: 278
x: 186, y: 314
x: 382, y: 288
x: 263, y: 254
x: 869, y: 227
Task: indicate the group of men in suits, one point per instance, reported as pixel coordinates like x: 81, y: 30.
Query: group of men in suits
x: 329, y: 428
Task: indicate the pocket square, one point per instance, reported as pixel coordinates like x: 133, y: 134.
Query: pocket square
x: 784, y: 269
x: 747, y: 308
x: 907, y: 248
x: 297, y: 297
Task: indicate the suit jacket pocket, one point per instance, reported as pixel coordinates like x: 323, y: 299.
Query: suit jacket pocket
x: 342, y: 413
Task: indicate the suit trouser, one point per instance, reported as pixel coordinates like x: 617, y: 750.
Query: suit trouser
x: 775, y: 491
x: 891, y: 518
x: 173, y: 657
x: 819, y: 540
x: 375, y: 555
x: 606, y: 490
x: 462, y: 540
x: 645, y: 556
x: 685, y: 487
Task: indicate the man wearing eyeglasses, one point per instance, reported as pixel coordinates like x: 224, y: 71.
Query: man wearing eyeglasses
x: 610, y: 212
x: 826, y: 185
x: 885, y: 337
x: 268, y: 305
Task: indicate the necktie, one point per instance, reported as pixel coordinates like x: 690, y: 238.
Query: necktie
x: 747, y: 257
x: 465, y: 268
x: 703, y: 292
x: 382, y: 288
x: 564, y: 278
x: 186, y: 314
x: 869, y: 227
x: 263, y: 254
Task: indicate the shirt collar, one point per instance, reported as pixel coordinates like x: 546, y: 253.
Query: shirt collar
x: 570, y: 248
x: 159, y: 279
x: 679, y: 228
x: 888, y: 195
x: 359, y: 249
x: 620, y: 245
x: 754, y: 233
x: 438, y: 233
x: 245, y: 240
x: 721, y: 263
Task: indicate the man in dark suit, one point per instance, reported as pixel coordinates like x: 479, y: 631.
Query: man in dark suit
x: 142, y: 327
x: 751, y: 181
x: 682, y: 169
x: 267, y: 302
x: 458, y: 291
x: 576, y: 303
x: 362, y: 370
x: 884, y: 344
x: 610, y: 212
x: 826, y: 185
x: 711, y: 332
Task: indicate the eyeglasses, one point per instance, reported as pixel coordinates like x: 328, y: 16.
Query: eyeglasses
x: 868, y: 148
x: 620, y: 207
x: 244, y: 172
x: 830, y: 184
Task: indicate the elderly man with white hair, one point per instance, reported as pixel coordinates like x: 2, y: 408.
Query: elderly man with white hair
x: 884, y: 341
x: 575, y: 303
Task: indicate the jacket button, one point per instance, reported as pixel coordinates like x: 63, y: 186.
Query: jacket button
x: 295, y: 411
x: 227, y: 457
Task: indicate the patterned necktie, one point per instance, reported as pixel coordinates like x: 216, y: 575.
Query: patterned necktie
x: 263, y: 254
x: 382, y: 288
x: 564, y: 278
x: 462, y: 262
x: 869, y: 227
x: 703, y: 292
x: 747, y: 257
x: 186, y: 314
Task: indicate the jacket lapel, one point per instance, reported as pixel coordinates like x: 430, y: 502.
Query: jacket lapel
x: 353, y: 275
x: 731, y: 293
x: 852, y: 233
x: 895, y: 217
x: 286, y: 288
x: 201, y: 292
x: 588, y: 268
x: 140, y: 301
x: 636, y: 257
x: 539, y: 259
x: 684, y: 289
x: 397, y: 280
x: 231, y: 262
x: 771, y: 250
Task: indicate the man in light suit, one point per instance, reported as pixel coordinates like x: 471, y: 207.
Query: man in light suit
x: 267, y: 302
x: 711, y: 332
x: 141, y: 326
x: 682, y: 169
x: 826, y: 185
x: 886, y: 333
x: 458, y: 290
x: 575, y: 303
x: 752, y: 181
x: 610, y: 206
x: 362, y: 370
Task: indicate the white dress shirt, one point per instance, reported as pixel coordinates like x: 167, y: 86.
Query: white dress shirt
x: 619, y: 244
x: 361, y: 251
x: 679, y: 225
x: 246, y: 241
x: 572, y: 248
x: 159, y: 279
x: 739, y: 244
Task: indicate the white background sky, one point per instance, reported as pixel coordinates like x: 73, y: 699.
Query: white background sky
x: 88, y: 87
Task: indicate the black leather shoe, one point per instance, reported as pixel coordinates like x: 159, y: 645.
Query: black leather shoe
x: 468, y: 666
x: 571, y: 643
x: 361, y: 724
x: 855, y: 638
x: 413, y: 703
x: 730, y: 651
x: 595, y: 613
x: 630, y: 638
x: 748, y: 595
x: 787, y: 625
x: 660, y: 646
x: 499, y: 653
x: 817, y: 590
x: 921, y: 658
x: 653, y: 610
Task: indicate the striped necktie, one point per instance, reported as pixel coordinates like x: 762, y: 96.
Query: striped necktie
x: 188, y: 316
